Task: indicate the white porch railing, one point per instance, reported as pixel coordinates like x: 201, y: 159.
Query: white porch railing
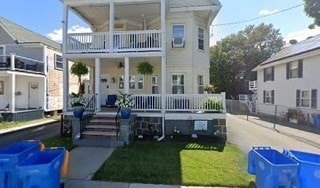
x: 253, y: 85
x: 147, y: 102
x: 87, y: 98
x: 123, y: 41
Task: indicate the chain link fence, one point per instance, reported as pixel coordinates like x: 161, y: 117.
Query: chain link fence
x: 287, y: 120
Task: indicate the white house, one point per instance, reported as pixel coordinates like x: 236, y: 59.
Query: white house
x: 30, y: 73
x: 290, y: 79
x: 172, y: 35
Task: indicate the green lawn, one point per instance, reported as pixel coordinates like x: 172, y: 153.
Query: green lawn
x: 11, y: 124
x: 177, y: 162
x: 58, y: 141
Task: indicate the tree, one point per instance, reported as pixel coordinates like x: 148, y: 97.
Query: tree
x: 79, y: 69
x: 234, y: 57
x: 312, y: 9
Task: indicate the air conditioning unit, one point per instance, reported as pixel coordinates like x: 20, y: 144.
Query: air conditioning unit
x: 178, y: 42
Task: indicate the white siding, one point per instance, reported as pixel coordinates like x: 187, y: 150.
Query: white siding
x: 5, y: 99
x: 285, y: 89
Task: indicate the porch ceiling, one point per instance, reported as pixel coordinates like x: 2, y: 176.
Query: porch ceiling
x: 98, y: 15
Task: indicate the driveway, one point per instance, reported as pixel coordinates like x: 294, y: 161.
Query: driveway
x: 246, y: 134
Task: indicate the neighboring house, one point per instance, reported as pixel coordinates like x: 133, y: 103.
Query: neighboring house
x: 31, y: 73
x: 172, y: 35
x: 290, y: 79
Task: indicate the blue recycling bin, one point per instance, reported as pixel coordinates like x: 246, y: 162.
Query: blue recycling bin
x: 309, y: 169
x: 316, y: 120
x: 272, y: 168
x: 42, y: 169
x: 10, y: 156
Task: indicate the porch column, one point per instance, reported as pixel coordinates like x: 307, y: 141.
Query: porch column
x: 163, y: 66
x: 65, y: 84
x: 111, y: 26
x: 13, y: 91
x: 126, y: 75
x: 12, y: 61
x: 97, y: 84
x: 65, y: 28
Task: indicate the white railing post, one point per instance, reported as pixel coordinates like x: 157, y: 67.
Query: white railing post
x: 12, y: 61
x: 65, y: 84
x: 97, y: 84
x: 65, y: 28
x: 111, y: 25
x: 224, y: 107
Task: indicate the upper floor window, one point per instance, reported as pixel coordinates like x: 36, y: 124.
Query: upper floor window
x: 200, y: 84
x: 306, y: 98
x: 268, y: 74
x: 178, y: 35
x: 200, y: 38
x: 177, y: 84
x: 58, y: 62
x: 294, y: 69
x: 1, y: 88
x: 268, y: 97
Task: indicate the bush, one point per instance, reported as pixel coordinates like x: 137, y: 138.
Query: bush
x: 213, y: 104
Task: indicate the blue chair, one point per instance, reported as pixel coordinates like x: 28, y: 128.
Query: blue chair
x: 111, y: 100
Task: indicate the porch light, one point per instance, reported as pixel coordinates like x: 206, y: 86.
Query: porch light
x: 120, y: 65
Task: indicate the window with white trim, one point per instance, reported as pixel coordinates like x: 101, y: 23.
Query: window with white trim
x: 155, y: 84
x: 140, y: 80
x: 294, y: 69
x: 1, y: 88
x: 200, y: 84
x: 58, y: 62
x: 177, y: 84
x: 121, y: 82
x: 268, y: 97
x: 307, y: 98
x: 132, y: 82
x: 268, y: 74
x: 178, y: 35
x: 200, y: 38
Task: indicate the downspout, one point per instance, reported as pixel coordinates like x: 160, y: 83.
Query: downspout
x: 163, y: 66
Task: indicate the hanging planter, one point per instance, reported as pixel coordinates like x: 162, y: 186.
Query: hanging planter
x: 145, y: 68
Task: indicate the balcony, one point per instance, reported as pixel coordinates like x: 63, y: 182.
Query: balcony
x: 253, y: 85
x: 123, y: 41
x: 21, y: 64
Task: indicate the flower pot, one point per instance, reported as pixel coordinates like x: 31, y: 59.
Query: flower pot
x: 78, y: 111
x: 125, y: 113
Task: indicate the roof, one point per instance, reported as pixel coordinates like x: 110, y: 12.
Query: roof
x: 22, y: 35
x: 305, y: 46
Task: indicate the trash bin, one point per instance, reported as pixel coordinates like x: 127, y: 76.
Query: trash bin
x: 272, y: 168
x: 309, y: 167
x: 42, y: 169
x: 10, y: 156
x: 316, y: 120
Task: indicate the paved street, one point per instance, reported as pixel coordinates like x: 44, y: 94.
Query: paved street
x: 40, y: 132
x: 246, y: 134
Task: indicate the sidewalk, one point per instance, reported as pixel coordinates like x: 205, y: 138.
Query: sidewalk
x: 30, y: 125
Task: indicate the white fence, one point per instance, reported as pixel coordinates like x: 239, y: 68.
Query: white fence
x: 123, y: 41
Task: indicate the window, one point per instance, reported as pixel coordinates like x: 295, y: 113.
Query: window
x: 140, y: 82
x: 177, y: 84
x: 1, y: 51
x: 200, y: 38
x: 294, y: 69
x: 306, y: 98
x: 268, y: 74
x: 268, y: 97
x: 132, y: 82
x: 155, y: 84
x: 121, y: 82
x: 200, y: 84
x: 1, y: 88
x: 58, y: 62
x: 178, y: 35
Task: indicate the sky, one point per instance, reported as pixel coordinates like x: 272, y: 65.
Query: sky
x: 45, y: 16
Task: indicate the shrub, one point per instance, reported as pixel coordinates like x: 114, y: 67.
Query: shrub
x: 213, y: 104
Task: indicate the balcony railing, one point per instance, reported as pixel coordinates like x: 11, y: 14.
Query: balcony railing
x: 123, y: 41
x: 174, y: 103
x: 21, y: 64
x: 253, y: 85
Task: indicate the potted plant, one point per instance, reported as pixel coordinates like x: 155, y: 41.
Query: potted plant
x: 209, y: 88
x: 145, y: 68
x: 125, y: 103
x: 78, y: 103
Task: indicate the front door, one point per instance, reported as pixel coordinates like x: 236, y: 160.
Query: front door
x: 104, y: 88
x: 33, y: 98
